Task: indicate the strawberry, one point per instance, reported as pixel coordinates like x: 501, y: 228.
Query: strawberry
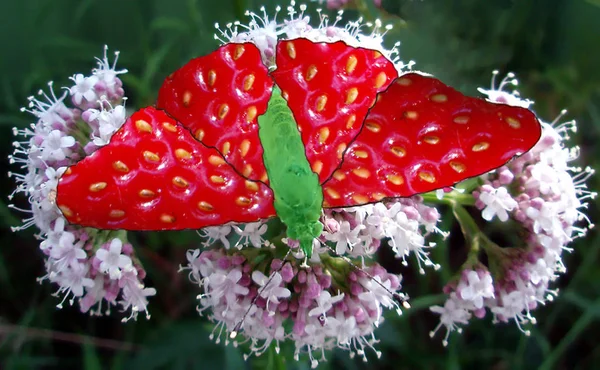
x: 219, y: 97
x: 422, y: 135
x: 329, y: 88
x: 153, y: 175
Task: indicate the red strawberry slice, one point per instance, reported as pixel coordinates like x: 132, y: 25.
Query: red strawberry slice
x: 329, y: 88
x: 153, y: 175
x: 219, y: 97
x: 422, y: 135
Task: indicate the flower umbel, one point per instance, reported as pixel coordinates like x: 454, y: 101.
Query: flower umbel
x: 92, y: 268
x: 546, y: 199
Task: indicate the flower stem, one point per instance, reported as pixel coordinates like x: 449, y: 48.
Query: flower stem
x: 454, y: 197
x: 467, y: 224
x: 81, y: 133
x: 478, y: 241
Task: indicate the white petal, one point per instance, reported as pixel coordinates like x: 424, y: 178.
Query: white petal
x: 115, y: 246
x: 101, y: 254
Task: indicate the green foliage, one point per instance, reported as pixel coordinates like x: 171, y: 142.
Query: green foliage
x: 552, y: 45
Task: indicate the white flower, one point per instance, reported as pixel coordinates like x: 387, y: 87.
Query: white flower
x: 324, y: 303
x: 135, y: 297
x: 55, y: 146
x: 194, y: 265
x: 73, y: 280
x: 545, y: 178
x: 382, y: 219
x: 264, y: 32
x: 377, y: 293
x: 113, y: 262
x: 51, y: 111
x: 314, y: 338
x: 345, y: 238
x: 540, y: 272
x: 205, y: 266
x: 67, y: 252
x: 476, y: 288
x: 95, y: 296
x: 498, y: 201
x: 214, y: 233
x: 109, y: 122
x: 225, y: 284
x: 41, y: 218
x: 54, y: 235
x: 451, y: 315
x: 513, y: 303
x: 57, y: 139
x: 498, y: 95
x: 48, y: 188
x: 342, y: 328
x: 545, y: 219
x: 406, y: 235
x: 83, y: 88
x: 270, y: 290
x: 106, y: 72
x: 252, y: 234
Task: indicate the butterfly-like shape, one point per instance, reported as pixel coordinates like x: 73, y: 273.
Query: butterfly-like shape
x: 197, y: 159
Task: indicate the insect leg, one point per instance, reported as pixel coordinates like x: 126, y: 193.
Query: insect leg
x: 238, y: 327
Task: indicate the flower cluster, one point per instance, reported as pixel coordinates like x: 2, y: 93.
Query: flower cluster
x: 90, y: 267
x: 544, y: 195
x: 403, y: 223
x: 241, y: 297
x: 339, y: 4
x: 264, y: 32
x: 336, y: 299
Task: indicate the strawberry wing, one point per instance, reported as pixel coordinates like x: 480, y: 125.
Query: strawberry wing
x: 422, y: 135
x: 219, y: 97
x: 155, y: 176
x: 329, y: 88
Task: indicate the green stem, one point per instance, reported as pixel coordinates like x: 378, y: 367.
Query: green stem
x: 582, y: 323
x: 478, y: 240
x: 467, y: 224
x: 81, y: 133
x: 338, y: 269
x: 449, y: 199
x: 467, y: 186
x: 472, y: 234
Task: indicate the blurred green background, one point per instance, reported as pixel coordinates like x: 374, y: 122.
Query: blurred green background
x: 552, y: 45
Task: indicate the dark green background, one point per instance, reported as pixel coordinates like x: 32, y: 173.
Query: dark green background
x: 552, y: 45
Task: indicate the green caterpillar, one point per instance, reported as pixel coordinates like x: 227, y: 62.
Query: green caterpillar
x: 298, y: 194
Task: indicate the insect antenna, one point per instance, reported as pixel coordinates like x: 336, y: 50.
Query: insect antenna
x: 238, y: 327
x: 401, y: 297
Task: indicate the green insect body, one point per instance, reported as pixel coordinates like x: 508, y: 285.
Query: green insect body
x: 297, y: 192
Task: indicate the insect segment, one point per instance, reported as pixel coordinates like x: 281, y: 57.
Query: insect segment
x: 298, y: 194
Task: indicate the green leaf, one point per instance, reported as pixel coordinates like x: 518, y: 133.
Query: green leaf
x: 424, y: 302
x: 275, y: 362
x: 83, y: 8
x: 234, y: 359
x: 168, y: 24
x: 153, y: 64
x: 571, y: 336
x: 91, y: 360
x: 7, y: 216
x: 594, y: 2
x: 178, y: 344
